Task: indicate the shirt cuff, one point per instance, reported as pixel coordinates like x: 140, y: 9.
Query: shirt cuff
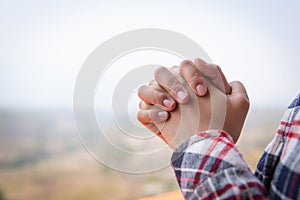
x: 210, y: 143
x: 209, y: 134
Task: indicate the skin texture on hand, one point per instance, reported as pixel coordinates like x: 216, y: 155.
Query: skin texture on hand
x: 184, y: 121
x: 195, y: 75
x: 237, y: 109
x: 214, y: 74
x: 198, y: 113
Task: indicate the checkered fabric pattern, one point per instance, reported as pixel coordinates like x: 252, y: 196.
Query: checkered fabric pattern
x: 209, y: 166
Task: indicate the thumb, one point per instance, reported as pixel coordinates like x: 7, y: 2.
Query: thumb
x: 239, y: 93
x: 237, y: 88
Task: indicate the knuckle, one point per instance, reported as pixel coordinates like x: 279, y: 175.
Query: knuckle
x: 213, y: 66
x: 175, y: 69
x: 144, y: 106
x: 182, y: 69
x: 159, y: 71
x: 155, y: 86
x: 141, y: 105
x: 140, y: 117
x: 192, y: 75
x: 184, y: 62
x: 151, y: 83
x: 214, y: 72
x: 158, y: 97
x: 153, y: 116
x: 194, y: 78
x: 152, y: 127
x: 141, y: 90
x: 173, y: 85
x: 199, y: 62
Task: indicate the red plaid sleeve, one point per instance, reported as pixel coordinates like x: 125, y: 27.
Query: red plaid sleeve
x: 208, y: 166
x: 279, y: 166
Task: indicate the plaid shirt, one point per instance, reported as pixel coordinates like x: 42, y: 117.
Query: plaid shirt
x: 209, y: 166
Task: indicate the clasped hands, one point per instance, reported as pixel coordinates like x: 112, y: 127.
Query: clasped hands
x: 191, y: 98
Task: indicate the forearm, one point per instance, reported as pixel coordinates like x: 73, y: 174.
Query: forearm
x: 209, y: 166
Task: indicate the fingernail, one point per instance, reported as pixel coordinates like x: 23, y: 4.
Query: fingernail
x: 201, y: 89
x: 162, y: 115
x: 181, y: 95
x: 168, y: 103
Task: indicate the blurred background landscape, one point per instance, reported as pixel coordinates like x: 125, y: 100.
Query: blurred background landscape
x: 43, y: 45
x: 41, y: 157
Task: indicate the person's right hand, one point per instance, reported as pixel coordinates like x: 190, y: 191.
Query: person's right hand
x: 195, y: 74
x: 213, y: 111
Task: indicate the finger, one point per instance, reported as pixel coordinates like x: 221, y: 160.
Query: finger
x: 226, y: 85
x: 239, y: 97
x: 157, y: 87
x: 169, y: 102
x: 144, y: 117
x: 238, y: 89
x: 214, y: 74
x: 151, y: 96
x: 152, y: 128
x: 152, y: 115
x: 144, y: 106
x: 175, y: 69
x: 155, y: 130
x: 193, y: 77
x: 159, y: 134
x: 169, y: 82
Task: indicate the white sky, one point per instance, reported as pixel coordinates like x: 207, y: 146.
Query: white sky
x: 44, y: 43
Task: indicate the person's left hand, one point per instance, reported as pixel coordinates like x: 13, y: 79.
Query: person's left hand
x: 184, y: 121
